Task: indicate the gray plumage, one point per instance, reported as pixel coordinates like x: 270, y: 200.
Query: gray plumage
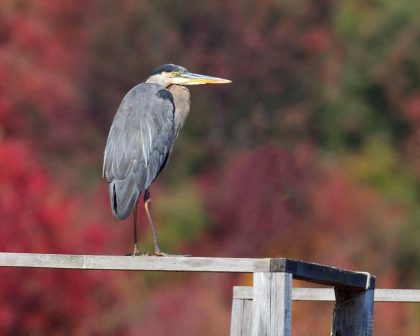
x: 142, y: 136
x: 139, y: 144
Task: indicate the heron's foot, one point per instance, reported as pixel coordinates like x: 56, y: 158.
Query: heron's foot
x: 137, y: 252
x: 160, y: 253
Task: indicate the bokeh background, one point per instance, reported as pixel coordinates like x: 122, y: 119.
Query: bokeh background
x: 311, y: 153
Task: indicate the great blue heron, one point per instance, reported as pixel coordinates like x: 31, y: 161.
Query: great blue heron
x: 142, y: 136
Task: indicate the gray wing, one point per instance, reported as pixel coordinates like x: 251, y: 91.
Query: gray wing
x: 139, y: 143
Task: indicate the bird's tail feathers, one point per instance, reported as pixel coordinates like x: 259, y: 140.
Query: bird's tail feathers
x: 124, y: 195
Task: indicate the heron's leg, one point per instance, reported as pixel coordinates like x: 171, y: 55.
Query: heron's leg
x: 147, y: 206
x: 136, y: 250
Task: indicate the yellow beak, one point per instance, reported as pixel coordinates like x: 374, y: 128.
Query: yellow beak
x: 189, y: 78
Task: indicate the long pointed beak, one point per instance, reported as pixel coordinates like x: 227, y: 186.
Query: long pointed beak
x: 189, y: 78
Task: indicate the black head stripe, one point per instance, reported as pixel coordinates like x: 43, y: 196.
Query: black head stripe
x: 167, y: 68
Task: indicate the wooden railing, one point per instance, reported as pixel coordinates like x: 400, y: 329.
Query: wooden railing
x: 265, y: 308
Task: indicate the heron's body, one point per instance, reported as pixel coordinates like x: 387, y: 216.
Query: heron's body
x: 135, y: 159
x: 143, y: 134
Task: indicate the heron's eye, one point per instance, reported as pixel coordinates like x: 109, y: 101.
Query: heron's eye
x: 175, y: 73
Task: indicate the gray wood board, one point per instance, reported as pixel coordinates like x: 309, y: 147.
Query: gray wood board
x: 135, y: 263
x: 241, y: 317
x: 272, y: 304
x: 322, y: 274
x: 327, y: 294
x: 353, y: 312
x: 299, y: 269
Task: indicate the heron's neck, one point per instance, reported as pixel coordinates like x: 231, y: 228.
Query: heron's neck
x: 181, y: 96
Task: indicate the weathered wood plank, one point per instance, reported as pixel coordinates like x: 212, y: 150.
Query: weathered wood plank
x: 298, y: 294
x: 299, y: 269
x: 397, y: 295
x: 313, y: 294
x: 261, y: 307
x: 271, y: 304
x: 281, y: 304
x: 353, y: 311
x: 237, y: 317
x: 141, y: 263
x: 242, y: 292
x: 240, y: 323
x: 327, y: 294
x: 247, y: 318
x: 318, y: 273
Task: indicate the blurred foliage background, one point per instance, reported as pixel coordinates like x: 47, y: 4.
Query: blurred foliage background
x: 311, y: 153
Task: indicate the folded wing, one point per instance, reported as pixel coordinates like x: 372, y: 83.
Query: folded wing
x: 139, y: 144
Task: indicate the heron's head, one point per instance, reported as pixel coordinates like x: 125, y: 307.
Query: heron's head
x: 171, y: 74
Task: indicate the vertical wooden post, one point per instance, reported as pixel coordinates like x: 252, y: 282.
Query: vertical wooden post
x: 272, y: 304
x: 241, y: 317
x: 246, y: 323
x: 237, y: 317
x: 353, y: 311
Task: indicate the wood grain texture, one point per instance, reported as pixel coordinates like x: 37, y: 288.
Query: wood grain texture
x: 237, y: 317
x: 327, y: 294
x: 354, y: 316
x: 300, y: 269
x: 272, y: 304
x: 397, y: 295
x: 322, y: 274
x: 261, y: 304
x: 247, y: 318
x: 140, y: 263
x: 353, y: 311
x: 241, y: 317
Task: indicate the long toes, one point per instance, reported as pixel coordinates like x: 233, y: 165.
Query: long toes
x: 138, y: 254
x: 159, y: 253
x: 141, y: 254
x: 163, y: 254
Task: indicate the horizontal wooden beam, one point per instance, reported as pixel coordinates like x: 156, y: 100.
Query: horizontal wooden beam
x: 397, y: 295
x: 327, y: 294
x: 322, y: 274
x: 135, y: 263
x: 299, y: 269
